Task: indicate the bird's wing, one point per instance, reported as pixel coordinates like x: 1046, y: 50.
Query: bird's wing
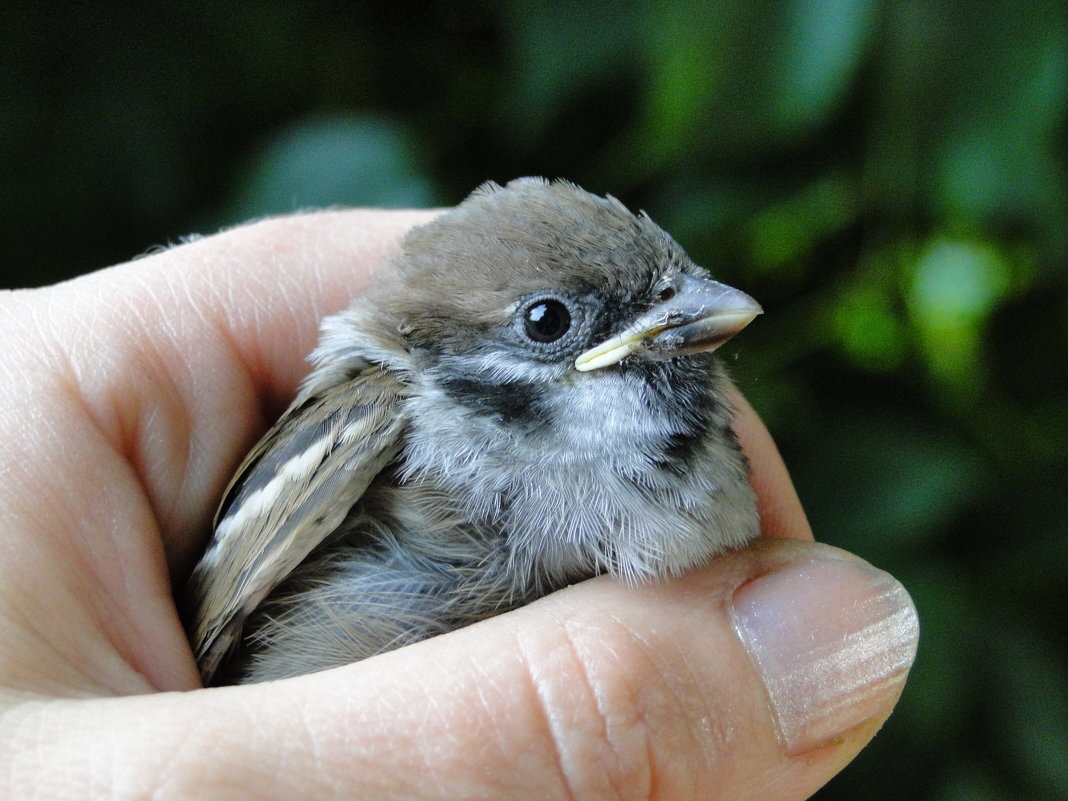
x: 293, y: 490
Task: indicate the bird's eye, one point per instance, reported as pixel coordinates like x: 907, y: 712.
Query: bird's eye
x: 546, y: 320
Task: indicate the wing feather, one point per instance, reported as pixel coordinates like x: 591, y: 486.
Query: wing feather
x: 292, y: 491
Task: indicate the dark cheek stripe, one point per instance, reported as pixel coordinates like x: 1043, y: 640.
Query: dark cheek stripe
x: 516, y: 404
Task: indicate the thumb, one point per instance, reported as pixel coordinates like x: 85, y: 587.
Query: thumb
x: 759, y: 676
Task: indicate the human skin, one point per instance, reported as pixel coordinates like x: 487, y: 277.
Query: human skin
x: 128, y: 396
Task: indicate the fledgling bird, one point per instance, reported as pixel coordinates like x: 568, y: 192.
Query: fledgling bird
x: 525, y: 396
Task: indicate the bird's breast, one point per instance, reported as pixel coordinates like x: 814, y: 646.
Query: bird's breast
x: 614, y: 479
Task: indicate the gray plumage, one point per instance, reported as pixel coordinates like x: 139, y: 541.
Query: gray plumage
x: 524, y: 397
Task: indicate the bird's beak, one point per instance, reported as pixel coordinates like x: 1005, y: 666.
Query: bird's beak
x: 700, y: 315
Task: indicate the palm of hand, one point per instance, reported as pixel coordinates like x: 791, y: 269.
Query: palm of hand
x: 130, y: 396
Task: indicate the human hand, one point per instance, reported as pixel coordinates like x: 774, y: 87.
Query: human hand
x: 129, y: 396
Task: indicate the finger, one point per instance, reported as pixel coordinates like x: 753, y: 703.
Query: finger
x: 760, y: 676
x: 781, y: 513
x: 129, y: 396
x: 179, y: 360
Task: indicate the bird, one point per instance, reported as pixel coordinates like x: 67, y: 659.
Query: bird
x: 525, y: 396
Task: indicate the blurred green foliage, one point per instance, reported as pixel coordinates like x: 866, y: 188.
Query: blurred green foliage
x: 888, y: 177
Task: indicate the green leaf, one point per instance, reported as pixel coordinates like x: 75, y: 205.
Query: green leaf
x: 878, y: 484
x: 1030, y: 696
x: 956, y: 284
x: 735, y: 77
x: 972, y: 781
x: 346, y: 160
x: 943, y: 683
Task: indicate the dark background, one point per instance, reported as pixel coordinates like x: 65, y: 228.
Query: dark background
x: 887, y: 178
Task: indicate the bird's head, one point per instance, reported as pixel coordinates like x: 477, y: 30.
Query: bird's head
x: 542, y: 280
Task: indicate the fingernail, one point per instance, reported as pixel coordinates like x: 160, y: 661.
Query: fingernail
x: 832, y: 640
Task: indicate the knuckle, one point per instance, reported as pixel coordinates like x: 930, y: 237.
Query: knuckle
x: 612, y: 718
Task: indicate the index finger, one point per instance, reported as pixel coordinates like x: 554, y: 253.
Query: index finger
x: 781, y: 514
